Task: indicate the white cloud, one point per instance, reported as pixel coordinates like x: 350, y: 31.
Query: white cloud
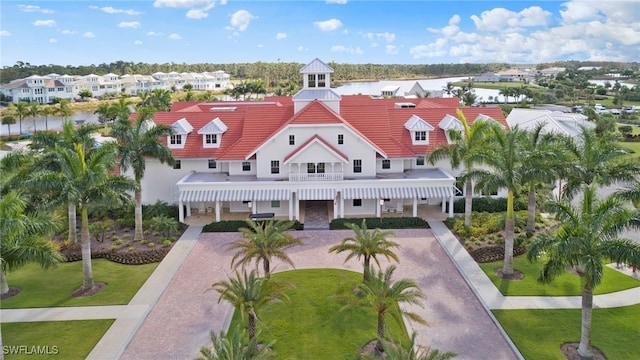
x: 89, y: 34
x: 302, y: 48
x: 388, y: 37
x: 500, y: 18
x: 52, y: 41
x: 153, y: 33
x: 129, y: 24
x: 49, y: 23
x: 183, y: 3
x: 241, y: 19
x: 174, y: 37
x: 328, y: 25
x: 137, y: 42
x: 340, y: 2
x: 280, y: 36
x: 260, y: 46
x: 391, y: 50
x: 4, y: 33
x: 34, y: 8
x: 197, y: 14
x: 111, y: 10
x: 348, y: 50
x: 67, y: 32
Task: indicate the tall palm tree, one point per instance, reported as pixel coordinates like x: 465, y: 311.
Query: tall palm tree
x: 264, y: 241
x: 122, y: 108
x: 597, y: 160
x: 8, y: 120
x: 46, y: 112
x: 505, y: 171
x: 247, y: 293
x: 410, y: 351
x: 64, y: 110
x: 448, y: 88
x: 464, y: 149
x: 138, y: 141
x: 232, y: 346
x: 588, y: 236
x: 21, y: 110
x: 383, y: 294
x: 106, y: 113
x: 367, y: 244
x: 83, y: 178
x: 34, y: 111
x: 22, y: 237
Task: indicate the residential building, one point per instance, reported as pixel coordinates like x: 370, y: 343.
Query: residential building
x: 555, y: 121
x: 353, y: 154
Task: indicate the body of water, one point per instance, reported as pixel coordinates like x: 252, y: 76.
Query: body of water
x: 39, y: 123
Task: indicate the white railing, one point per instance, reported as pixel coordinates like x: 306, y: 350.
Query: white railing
x: 315, y: 177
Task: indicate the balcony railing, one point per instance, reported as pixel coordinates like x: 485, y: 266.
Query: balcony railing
x: 315, y: 177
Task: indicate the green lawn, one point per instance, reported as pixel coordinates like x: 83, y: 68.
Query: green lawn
x: 312, y: 323
x: 633, y: 146
x: 635, y: 129
x: 538, y: 334
x: 50, y: 288
x: 60, y: 339
x: 564, y: 285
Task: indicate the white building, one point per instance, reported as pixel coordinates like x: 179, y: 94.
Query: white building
x: 555, y: 121
x: 353, y: 155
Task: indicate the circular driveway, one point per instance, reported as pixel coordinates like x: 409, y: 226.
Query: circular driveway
x: 188, y: 309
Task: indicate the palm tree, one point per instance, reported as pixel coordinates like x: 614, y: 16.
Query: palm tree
x: 410, y: 351
x: 597, y: 160
x: 469, y: 98
x: 158, y: 99
x: 46, y: 112
x: 463, y: 149
x: 122, y: 108
x: 383, y: 294
x: 136, y: 142
x: 231, y: 346
x: 505, y: 171
x: 34, y: 111
x: 64, y: 110
x: 106, y: 113
x: 8, y: 120
x: 247, y: 293
x: 83, y: 178
x: 448, y: 89
x: 22, y: 237
x: 587, y: 237
x: 264, y: 241
x: 367, y: 244
x: 21, y: 110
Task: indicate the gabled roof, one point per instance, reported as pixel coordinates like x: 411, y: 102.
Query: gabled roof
x: 316, y: 66
x: 416, y: 123
x: 555, y: 121
x: 316, y: 140
x: 182, y: 126
x: 215, y: 126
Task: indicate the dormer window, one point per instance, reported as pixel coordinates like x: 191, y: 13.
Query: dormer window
x: 181, y: 130
x: 212, y: 133
x: 419, y: 130
x: 176, y: 139
x: 312, y: 80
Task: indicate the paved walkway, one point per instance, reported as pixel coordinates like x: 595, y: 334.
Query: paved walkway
x: 172, y: 314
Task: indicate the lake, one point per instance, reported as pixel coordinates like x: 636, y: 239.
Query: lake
x: 54, y: 122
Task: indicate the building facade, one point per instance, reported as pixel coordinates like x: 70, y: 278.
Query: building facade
x: 356, y: 155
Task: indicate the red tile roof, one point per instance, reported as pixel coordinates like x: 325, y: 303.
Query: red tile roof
x: 377, y: 120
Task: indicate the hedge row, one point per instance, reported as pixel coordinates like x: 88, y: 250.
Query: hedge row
x: 493, y: 253
x: 128, y: 258
x: 234, y: 225
x: 488, y: 204
x: 382, y: 223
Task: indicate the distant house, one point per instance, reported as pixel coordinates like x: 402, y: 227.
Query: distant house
x: 555, y: 121
x: 487, y: 77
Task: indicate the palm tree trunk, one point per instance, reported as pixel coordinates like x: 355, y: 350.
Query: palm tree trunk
x: 531, y: 209
x: 266, y: 266
x: 507, y: 269
x: 46, y: 123
x: 251, y: 325
x: 379, y: 347
x: 468, y: 202
x: 87, y: 271
x: 584, y: 349
x: 137, y: 236
x: 4, y: 286
x: 365, y: 274
x: 73, y: 235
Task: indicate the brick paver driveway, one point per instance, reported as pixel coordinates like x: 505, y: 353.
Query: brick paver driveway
x: 185, y: 313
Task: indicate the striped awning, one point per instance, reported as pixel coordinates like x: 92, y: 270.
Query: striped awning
x: 396, y: 193
x: 360, y: 193
x: 434, y: 191
x: 197, y: 195
x: 271, y: 194
x: 316, y: 194
x: 235, y: 195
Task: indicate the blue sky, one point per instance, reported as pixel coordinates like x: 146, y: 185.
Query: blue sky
x: 345, y: 31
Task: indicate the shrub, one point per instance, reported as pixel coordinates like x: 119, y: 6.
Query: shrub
x: 151, y: 244
x: 143, y: 241
x: 118, y: 242
x: 132, y: 248
x: 166, y: 243
x: 382, y: 223
x: 488, y: 204
x: 126, y: 236
x: 113, y: 248
x: 234, y: 225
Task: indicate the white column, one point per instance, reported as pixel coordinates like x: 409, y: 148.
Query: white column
x: 335, y: 207
x: 297, y: 206
x: 341, y: 207
x: 415, y: 207
x: 451, y: 206
x: 180, y: 211
x: 188, y: 208
x: 444, y: 204
x: 217, y: 210
x: 291, y: 208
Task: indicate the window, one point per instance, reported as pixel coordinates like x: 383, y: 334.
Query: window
x: 312, y: 80
x: 311, y: 168
x: 176, y: 139
x: 292, y: 139
x: 275, y: 167
x: 212, y: 164
x: 386, y: 164
x: 357, y: 202
x: 211, y: 138
x: 177, y: 164
x: 340, y: 139
x: 357, y: 166
x: 320, y: 168
x: 321, y: 80
x: 51, y: 89
x: 246, y: 166
x: 421, y: 136
x: 275, y: 204
x: 420, y: 160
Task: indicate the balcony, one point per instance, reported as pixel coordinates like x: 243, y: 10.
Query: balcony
x: 315, y: 177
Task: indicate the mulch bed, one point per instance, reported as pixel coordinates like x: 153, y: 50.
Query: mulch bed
x: 517, y: 275
x: 570, y: 351
x: 97, y: 287
x: 13, y: 291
